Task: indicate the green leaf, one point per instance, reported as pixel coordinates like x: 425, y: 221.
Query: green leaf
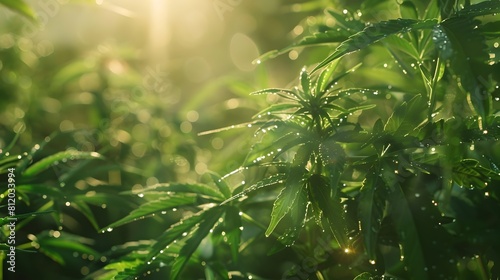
x: 194, y: 241
x: 146, y: 209
x: 269, y: 181
x: 327, y: 200
x: 374, y: 33
x: 460, y: 42
x: 221, y: 185
x: 293, y: 185
x: 325, y: 76
x: 331, y: 152
x: 54, y: 247
x: 400, y: 213
x: 70, y: 73
x: 447, y: 8
x: 371, y: 211
x: 407, y: 116
x: 49, y: 161
x: 298, y: 214
x: 279, y: 108
x: 86, y: 211
x: 20, y: 7
x: 350, y: 25
x: 216, y: 271
x: 273, y: 91
x: 305, y: 82
x: 469, y: 173
x: 401, y: 44
x: 41, y: 189
x: 480, y: 9
x: 199, y: 189
x: 11, y: 145
x: 408, y: 10
x: 178, y: 231
x: 232, y: 224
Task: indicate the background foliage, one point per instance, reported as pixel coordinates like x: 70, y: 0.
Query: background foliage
x: 380, y: 160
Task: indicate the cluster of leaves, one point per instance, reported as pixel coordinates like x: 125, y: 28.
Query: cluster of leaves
x: 402, y: 174
x: 55, y: 188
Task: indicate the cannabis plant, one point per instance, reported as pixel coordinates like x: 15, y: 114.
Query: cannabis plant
x: 382, y: 161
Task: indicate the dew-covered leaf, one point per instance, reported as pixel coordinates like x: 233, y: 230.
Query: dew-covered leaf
x: 221, y: 185
x: 397, y: 43
x: 305, y: 82
x: 216, y: 271
x: 446, y: 7
x: 194, y: 188
x: 407, y: 116
x: 400, y: 213
x: 178, y: 231
x: 273, y: 91
x: 279, y: 108
x: 480, y: 9
x: 49, y: 161
x: 324, y: 78
x: 293, y: 185
x: 371, y: 211
x: 374, y: 33
x: 269, y: 181
x: 346, y: 24
x: 232, y: 224
x: 469, y: 173
x: 327, y: 200
x: 156, y: 206
x: 194, y: 241
x: 297, y: 214
x: 460, y: 42
x: 331, y: 152
x: 55, y: 247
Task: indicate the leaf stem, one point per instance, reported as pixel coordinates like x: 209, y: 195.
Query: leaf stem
x: 432, y: 89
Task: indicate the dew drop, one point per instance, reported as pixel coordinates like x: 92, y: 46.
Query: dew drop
x: 109, y: 229
x: 372, y: 262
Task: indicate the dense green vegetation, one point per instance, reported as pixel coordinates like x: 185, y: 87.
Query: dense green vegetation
x: 378, y: 161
